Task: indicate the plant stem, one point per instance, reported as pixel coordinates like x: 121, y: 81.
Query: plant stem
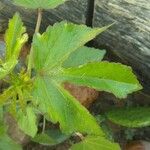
x: 37, y: 28
x: 39, y: 19
x: 79, y: 135
x: 44, y: 124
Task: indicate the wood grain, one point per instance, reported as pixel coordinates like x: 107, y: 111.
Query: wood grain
x: 129, y: 38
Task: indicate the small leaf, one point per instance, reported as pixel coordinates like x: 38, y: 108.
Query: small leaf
x: 84, y: 55
x: 61, y: 107
x: 95, y: 143
x: 50, y: 137
x: 6, y: 143
x: 6, y: 95
x: 104, y: 76
x: 130, y: 117
x: 54, y: 46
x: 27, y: 121
x: 43, y: 4
x: 7, y: 67
x: 14, y: 39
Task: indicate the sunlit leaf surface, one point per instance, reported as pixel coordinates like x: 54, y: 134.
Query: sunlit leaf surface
x: 95, y: 143
x: 130, y: 117
x: 43, y: 4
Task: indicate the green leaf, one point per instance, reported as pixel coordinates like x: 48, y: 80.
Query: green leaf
x: 54, y: 46
x: 84, y: 55
x: 27, y: 121
x: 50, y: 137
x: 7, y: 67
x: 14, y: 39
x: 95, y: 143
x: 6, y: 95
x: 61, y: 107
x: 104, y: 76
x: 43, y: 4
x: 6, y: 143
x: 130, y: 117
x: 51, y: 49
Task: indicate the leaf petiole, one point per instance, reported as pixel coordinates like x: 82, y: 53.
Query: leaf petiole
x: 37, y: 28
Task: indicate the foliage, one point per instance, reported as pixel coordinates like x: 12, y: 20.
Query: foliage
x: 100, y: 75
x: 27, y: 122
x: 84, y: 55
x: 14, y: 38
x: 5, y: 141
x: 95, y: 143
x: 50, y: 137
x: 59, y: 55
x: 43, y: 4
x: 130, y: 117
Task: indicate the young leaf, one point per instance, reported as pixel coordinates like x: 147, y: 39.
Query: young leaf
x: 50, y: 137
x: 111, y: 77
x: 84, y: 55
x: 54, y: 46
x: 27, y: 121
x: 7, y: 67
x: 95, y: 143
x: 61, y: 107
x: 130, y: 117
x: 14, y: 39
x: 6, y: 95
x: 6, y: 143
x: 35, y: 4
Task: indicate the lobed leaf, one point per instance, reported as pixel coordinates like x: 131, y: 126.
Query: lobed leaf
x: 104, y: 76
x: 51, y: 50
x: 95, y: 143
x: 54, y: 46
x: 62, y: 108
x: 35, y: 4
x: 14, y: 38
x: 130, y: 117
x: 27, y: 121
x: 84, y: 55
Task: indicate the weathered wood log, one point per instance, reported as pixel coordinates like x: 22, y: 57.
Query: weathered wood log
x: 72, y: 10
x: 129, y: 38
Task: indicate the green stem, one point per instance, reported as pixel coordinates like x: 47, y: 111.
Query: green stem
x: 44, y: 124
x: 39, y: 19
x: 37, y: 28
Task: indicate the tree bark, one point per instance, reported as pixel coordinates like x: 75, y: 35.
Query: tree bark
x: 129, y: 38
